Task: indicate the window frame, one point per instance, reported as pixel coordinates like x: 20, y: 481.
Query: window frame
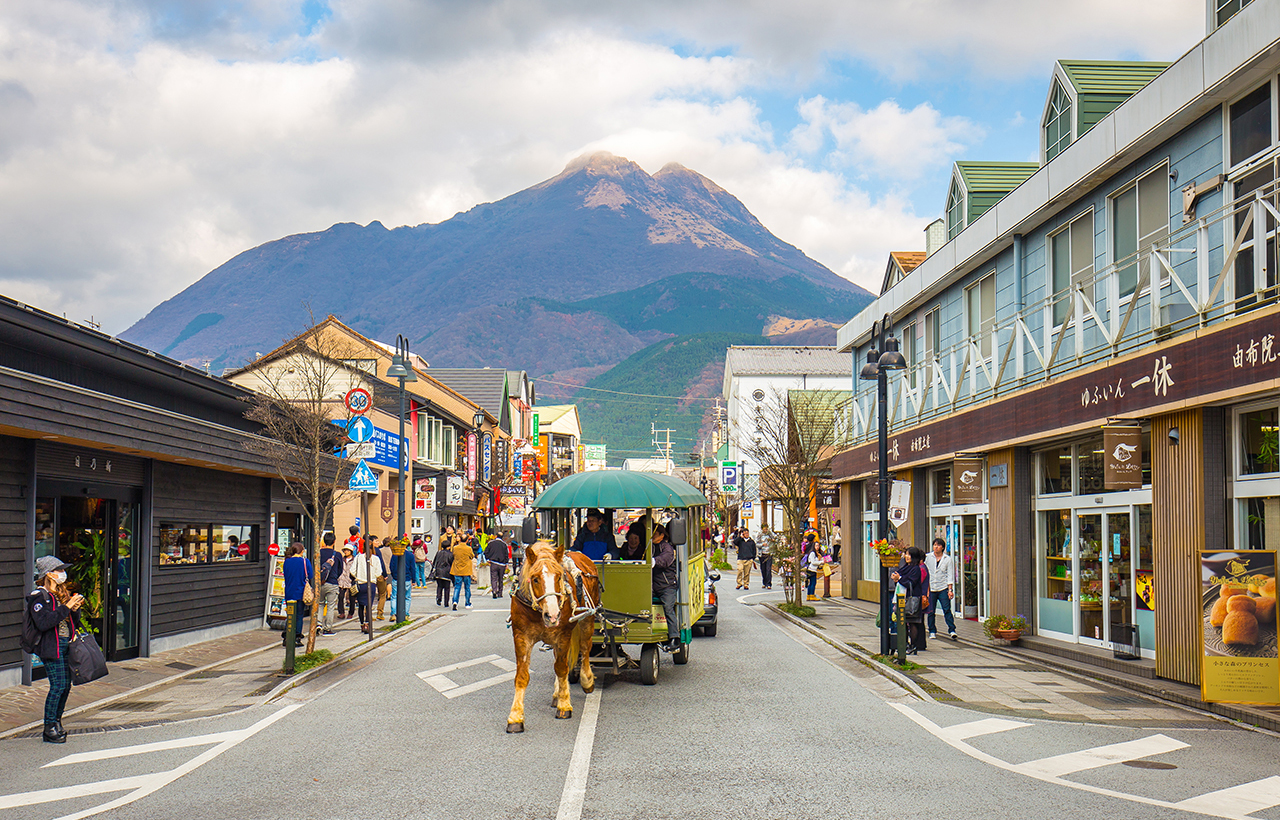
x: 1143, y: 242
x: 1054, y: 114
x: 956, y: 201
x: 1054, y: 323
x: 1232, y: 168
x: 986, y: 344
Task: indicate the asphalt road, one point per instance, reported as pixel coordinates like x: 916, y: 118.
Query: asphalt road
x: 765, y: 721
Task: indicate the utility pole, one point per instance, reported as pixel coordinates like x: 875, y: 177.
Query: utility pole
x: 664, y: 447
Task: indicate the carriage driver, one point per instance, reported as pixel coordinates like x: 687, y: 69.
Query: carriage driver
x: 665, y: 581
x: 594, y: 540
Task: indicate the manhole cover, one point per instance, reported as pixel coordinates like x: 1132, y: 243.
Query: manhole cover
x: 1149, y: 764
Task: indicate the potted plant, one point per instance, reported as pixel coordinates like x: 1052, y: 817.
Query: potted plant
x: 1004, y: 627
x: 890, y: 552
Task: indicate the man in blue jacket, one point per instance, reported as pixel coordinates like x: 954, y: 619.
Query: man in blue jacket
x: 331, y: 569
x: 594, y: 539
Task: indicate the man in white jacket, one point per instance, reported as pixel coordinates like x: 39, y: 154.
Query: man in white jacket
x: 942, y: 573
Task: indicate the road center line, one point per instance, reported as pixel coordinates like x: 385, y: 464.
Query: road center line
x: 575, y: 782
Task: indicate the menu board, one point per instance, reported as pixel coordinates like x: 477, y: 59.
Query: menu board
x: 275, y: 595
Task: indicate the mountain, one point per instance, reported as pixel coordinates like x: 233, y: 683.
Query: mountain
x: 668, y: 385
x: 570, y: 276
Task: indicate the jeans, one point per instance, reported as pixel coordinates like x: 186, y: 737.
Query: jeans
x: 811, y: 581
x: 459, y: 581
x: 766, y: 570
x: 395, y: 596
x: 668, y: 598
x: 941, y: 599
x: 59, y: 684
x: 419, y: 573
x: 328, y: 604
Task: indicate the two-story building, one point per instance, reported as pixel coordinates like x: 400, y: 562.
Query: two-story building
x: 1127, y: 281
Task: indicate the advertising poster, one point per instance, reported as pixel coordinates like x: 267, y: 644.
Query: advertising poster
x: 275, y: 599
x: 1238, y: 627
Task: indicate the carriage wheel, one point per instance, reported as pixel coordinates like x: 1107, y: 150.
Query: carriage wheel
x: 649, y: 664
x: 681, y: 655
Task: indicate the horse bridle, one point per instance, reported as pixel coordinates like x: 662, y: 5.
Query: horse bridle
x: 525, y: 596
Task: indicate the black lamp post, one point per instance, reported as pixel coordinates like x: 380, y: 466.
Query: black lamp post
x: 402, y: 371
x: 882, y: 358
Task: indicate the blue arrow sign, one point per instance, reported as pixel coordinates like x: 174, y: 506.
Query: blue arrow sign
x: 363, y: 479
x: 359, y: 429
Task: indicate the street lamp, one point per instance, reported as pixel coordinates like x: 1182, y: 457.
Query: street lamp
x: 402, y: 371
x: 882, y: 358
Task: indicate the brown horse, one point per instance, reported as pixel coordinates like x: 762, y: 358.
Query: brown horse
x: 553, y: 607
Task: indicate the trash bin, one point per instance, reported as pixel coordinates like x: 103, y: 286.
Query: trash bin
x: 1124, y: 642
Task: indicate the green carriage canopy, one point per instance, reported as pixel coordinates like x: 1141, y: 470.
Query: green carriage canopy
x: 619, y: 489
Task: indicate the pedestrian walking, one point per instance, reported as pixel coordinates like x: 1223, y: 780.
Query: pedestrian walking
x: 442, y: 572
x: 331, y: 572
x: 811, y: 561
x: 499, y: 555
x: 384, y: 582
x: 52, y: 615
x: 764, y: 556
x: 942, y: 573
x: 746, y: 547
x: 420, y: 560
x: 297, y: 575
x: 366, y: 570
x: 354, y: 540
x: 464, y: 563
x: 346, y: 590
x: 396, y: 560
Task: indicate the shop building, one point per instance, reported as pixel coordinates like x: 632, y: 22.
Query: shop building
x: 133, y: 468
x: 1124, y: 292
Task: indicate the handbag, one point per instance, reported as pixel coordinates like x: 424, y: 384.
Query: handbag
x: 308, y: 594
x: 912, y: 607
x: 85, y: 658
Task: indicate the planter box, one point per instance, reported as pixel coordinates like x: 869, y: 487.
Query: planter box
x: 1009, y: 634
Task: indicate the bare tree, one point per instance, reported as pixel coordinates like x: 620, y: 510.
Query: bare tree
x: 299, y: 392
x: 792, y: 438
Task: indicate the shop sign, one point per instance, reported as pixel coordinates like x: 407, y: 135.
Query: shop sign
x: 966, y: 480
x: 528, y: 468
x: 899, y: 502
x: 1122, y: 457
x: 454, y: 486
x: 471, y: 458
x: 388, y: 504
x: 998, y: 475
x: 518, y: 466
x: 828, y: 497
x: 1238, y: 662
x: 536, y: 434
x: 513, y: 489
x: 502, y: 458
x: 486, y: 463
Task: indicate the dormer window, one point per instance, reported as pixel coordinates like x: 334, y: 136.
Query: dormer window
x: 955, y: 209
x: 1057, y: 122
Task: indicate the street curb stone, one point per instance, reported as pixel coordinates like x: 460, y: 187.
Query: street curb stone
x: 853, y: 652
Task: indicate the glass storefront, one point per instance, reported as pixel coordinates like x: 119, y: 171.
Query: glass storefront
x: 964, y: 528
x: 1256, y: 488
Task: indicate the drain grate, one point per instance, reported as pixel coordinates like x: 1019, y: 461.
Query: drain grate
x: 1148, y: 764
x: 210, y: 675
x: 135, y: 705
x: 981, y: 677
x: 180, y: 666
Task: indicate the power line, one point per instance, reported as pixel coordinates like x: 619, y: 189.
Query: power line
x: 621, y: 393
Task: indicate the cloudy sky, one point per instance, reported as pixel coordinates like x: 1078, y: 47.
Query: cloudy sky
x: 145, y: 142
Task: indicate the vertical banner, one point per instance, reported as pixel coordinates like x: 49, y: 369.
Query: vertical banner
x: 388, y: 505
x: 1122, y: 458
x: 535, y: 433
x: 1238, y: 627
x: 486, y: 458
x: 471, y: 458
x: 966, y: 480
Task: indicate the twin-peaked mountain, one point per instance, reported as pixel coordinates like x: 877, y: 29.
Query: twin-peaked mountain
x: 574, y: 274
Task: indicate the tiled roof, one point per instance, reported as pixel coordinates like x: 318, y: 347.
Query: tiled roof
x: 1110, y: 77
x: 780, y: 360
x: 484, y: 386
x: 995, y: 176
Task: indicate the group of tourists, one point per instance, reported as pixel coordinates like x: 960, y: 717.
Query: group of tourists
x: 931, y: 580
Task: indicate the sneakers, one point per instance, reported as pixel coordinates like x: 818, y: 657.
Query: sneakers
x: 953, y: 634
x: 468, y: 606
x: 455, y: 607
x: 327, y: 632
x: 933, y: 636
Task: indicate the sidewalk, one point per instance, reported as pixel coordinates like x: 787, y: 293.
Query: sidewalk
x: 1026, y: 682
x: 216, y: 677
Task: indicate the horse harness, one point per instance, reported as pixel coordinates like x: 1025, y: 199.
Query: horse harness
x: 587, y: 608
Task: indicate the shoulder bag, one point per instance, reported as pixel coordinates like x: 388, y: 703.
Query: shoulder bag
x: 85, y: 657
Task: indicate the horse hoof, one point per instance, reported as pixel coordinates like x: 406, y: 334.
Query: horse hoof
x: 589, y: 689
x: 564, y: 714
x: 515, y: 728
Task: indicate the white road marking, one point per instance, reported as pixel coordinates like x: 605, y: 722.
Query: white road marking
x: 143, y: 748
x: 138, y: 786
x: 575, y: 782
x: 1193, y: 804
x: 977, y: 728
x: 505, y: 677
x: 1073, y: 762
x: 442, y: 683
x: 758, y: 594
x: 455, y: 666
x: 1246, y: 798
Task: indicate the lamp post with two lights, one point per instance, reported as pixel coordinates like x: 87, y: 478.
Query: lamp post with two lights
x: 402, y: 371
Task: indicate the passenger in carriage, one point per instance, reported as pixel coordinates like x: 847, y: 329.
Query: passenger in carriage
x: 665, y: 580
x: 594, y: 539
x: 633, y: 548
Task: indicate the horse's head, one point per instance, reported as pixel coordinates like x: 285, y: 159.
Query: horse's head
x: 544, y: 581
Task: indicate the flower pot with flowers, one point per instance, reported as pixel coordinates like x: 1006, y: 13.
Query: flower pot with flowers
x: 1004, y: 627
x: 890, y: 552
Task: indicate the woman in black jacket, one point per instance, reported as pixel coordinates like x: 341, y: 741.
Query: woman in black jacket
x: 440, y: 570
x: 55, y: 614
x: 912, y: 581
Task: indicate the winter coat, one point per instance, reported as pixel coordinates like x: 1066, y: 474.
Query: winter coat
x: 464, y: 559
x: 46, y: 613
x: 665, y: 575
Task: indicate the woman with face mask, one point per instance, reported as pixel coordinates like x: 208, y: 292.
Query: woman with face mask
x: 54, y: 612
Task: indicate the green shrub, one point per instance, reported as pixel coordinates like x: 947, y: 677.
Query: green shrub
x: 311, y: 660
x: 798, y: 610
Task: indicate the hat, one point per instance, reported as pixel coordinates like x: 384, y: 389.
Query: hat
x: 347, y: 548
x: 46, y: 564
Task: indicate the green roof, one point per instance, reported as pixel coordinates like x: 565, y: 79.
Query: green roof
x: 1110, y: 77
x: 994, y: 176
x: 619, y: 489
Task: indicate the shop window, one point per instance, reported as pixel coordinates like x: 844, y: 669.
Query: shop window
x: 1249, y: 120
x: 1258, y: 440
x: 1139, y: 219
x: 1055, y: 471
x: 940, y: 486
x: 1261, y: 523
x: 186, y: 544
x: 1091, y: 466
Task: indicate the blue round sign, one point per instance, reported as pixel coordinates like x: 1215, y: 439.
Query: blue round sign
x: 359, y: 429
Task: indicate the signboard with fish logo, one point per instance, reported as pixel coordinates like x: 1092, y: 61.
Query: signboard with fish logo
x: 1122, y: 457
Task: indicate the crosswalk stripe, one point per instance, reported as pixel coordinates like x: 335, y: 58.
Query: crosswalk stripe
x: 977, y: 728
x: 480, y: 684
x: 1243, y: 799
x: 1060, y: 765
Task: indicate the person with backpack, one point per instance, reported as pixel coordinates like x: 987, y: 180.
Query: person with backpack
x: 441, y: 568
x: 52, y: 615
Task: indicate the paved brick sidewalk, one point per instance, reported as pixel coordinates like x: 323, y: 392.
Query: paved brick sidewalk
x: 988, y: 680
x: 246, y: 667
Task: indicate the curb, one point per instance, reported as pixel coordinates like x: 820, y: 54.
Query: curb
x: 146, y: 687
x: 892, y: 674
x: 346, y: 657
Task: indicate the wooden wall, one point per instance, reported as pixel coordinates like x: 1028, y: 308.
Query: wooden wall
x: 1178, y: 519
x: 15, y: 574
x: 1002, y: 537
x: 185, y: 598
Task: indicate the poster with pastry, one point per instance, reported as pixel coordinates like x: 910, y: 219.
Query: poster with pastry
x: 1240, y: 662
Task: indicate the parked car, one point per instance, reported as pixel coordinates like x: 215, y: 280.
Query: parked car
x: 708, y: 622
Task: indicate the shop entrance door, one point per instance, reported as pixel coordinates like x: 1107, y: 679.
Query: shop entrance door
x: 1104, y: 577
x: 966, y: 537
x: 96, y: 536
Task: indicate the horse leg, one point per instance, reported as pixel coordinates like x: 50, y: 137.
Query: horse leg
x: 564, y: 707
x: 524, y: 647
x: 586, y: 677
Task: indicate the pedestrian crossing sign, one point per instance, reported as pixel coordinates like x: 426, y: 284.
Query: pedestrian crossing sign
x: 363, y: 479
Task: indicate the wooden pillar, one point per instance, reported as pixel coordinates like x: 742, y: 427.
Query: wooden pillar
x: 850, y: 515
x: 1002, y: 536
x: 1178, y: 524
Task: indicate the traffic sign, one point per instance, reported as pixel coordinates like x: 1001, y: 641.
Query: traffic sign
x: 358, y: 400
x: 362, y: 451
x: 748, y: 509
x: 363, y: 479
x: 729, y: 476
x: 359, y: 430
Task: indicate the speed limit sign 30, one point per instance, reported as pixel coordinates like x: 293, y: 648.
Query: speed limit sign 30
x: 358, y: 400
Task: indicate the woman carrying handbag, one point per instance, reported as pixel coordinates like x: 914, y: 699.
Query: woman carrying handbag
x: 51, y: 618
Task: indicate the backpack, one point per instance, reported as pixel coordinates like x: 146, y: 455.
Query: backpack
x: 30, y: 640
